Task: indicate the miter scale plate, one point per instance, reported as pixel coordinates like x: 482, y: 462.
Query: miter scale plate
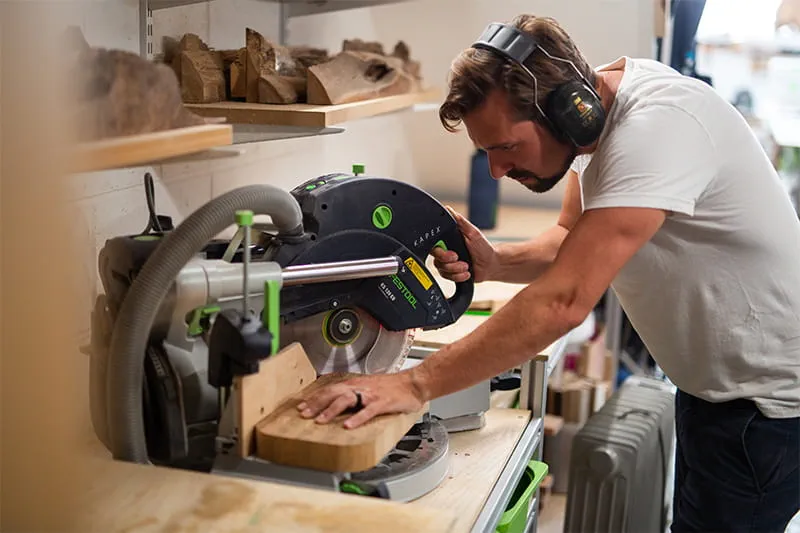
x: 415, y: 466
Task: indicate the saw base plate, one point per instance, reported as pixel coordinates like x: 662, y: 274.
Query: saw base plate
x: 413, y: 468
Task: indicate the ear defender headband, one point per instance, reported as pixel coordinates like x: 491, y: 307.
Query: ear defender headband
x: 573, y: 110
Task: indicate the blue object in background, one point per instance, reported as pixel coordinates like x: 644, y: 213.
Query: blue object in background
x: 484, y: 192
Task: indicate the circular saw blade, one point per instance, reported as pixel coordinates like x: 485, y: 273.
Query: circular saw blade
x: 365, y: 347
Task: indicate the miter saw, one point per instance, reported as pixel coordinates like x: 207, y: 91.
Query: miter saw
x: 340, y: 269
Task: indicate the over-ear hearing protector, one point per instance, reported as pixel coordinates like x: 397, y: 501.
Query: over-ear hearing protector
x: 573, y: 110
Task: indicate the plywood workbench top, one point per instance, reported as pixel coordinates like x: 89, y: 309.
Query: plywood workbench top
x: 129, y: 498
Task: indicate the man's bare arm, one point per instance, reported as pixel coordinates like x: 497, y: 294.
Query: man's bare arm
x: 600, y: 243
x: 523, y: 262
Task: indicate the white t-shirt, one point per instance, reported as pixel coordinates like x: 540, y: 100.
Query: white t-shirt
x: 715, y: 294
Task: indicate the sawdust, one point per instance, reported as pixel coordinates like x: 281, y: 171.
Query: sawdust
x: 223, y: 502
x: 223, y: 498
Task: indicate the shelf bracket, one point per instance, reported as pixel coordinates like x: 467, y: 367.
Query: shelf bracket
x: 145, y: 30
x: 283, y: 22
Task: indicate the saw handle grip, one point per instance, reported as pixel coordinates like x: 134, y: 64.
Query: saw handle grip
x: 462, y: 298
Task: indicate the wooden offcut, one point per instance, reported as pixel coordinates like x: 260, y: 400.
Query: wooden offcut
x: 308, y: 56
x: 359, y: 45
x: 265, y: 66
x: 402, y: 52
x: 121, y: 94
x: 286, y: 438
x: 354, y: 76
x: 254, y: 61
x: 203, y: 78
x: 237, y: 75
x: 189, y: 42
x: 279, y: 377
x: 276, y: 89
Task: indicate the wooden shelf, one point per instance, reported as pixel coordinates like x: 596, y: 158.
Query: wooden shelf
x: 311, y: 116
x: 149, y: 148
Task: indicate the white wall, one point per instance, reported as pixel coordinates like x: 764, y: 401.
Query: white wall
x: 407, y: 146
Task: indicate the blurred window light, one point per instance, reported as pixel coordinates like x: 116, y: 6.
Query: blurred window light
x: 738, y: 20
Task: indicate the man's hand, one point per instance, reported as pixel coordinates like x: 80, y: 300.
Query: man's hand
x: 380, y: 394
x: 484, y: 255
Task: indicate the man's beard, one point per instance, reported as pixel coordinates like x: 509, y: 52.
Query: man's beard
x: 542, y: 184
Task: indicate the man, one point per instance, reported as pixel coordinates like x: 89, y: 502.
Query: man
x: 669, y: 200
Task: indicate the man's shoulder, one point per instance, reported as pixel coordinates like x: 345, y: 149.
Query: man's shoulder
x: 633, y: 63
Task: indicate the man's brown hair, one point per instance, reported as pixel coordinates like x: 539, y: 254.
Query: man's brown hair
x: 476, y: 73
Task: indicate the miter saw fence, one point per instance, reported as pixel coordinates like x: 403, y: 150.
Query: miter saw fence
x: 341, y: 270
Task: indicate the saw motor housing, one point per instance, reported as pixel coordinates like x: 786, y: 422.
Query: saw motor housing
x: 345, y: 218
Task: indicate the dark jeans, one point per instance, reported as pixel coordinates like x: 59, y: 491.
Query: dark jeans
x: 735, y: 469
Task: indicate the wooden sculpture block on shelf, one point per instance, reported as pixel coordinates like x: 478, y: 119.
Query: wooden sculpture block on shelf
x: 200, y: 70
x: 118, y: 93
x: 263, y: 72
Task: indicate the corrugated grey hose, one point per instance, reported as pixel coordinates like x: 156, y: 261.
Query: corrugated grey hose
x: 138, y: 312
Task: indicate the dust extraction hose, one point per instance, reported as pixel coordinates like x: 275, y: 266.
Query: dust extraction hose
x: 138, y: 312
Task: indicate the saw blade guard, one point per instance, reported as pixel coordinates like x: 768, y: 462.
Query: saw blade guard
x: 357, y: 217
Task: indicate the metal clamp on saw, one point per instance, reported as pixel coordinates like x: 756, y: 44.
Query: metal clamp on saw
x: 340, y: 270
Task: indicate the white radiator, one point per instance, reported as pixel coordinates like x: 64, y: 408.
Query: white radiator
x: 621, y: 462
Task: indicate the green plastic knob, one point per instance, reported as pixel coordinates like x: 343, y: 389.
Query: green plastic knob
x: 244, y: 217
x: 358, y: 169
x: 382, y: 216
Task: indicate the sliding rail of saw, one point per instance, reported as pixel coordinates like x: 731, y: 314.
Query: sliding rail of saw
x: 261, y: 433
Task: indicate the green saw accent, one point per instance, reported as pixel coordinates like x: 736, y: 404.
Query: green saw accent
x: 358, y: 169
x: 477, y: 312
x: 440, y: 244
x: 325, y: 330
x: 244, y: 217
x: 195, y: 325
x: 333, y: 342
x: 382, y: 216
x: 311, y: 187
x: 352, y: 488
x: 271, y: 314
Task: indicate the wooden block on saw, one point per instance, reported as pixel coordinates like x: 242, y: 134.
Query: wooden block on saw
x: 284, y: 437
x: 279, y: 376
